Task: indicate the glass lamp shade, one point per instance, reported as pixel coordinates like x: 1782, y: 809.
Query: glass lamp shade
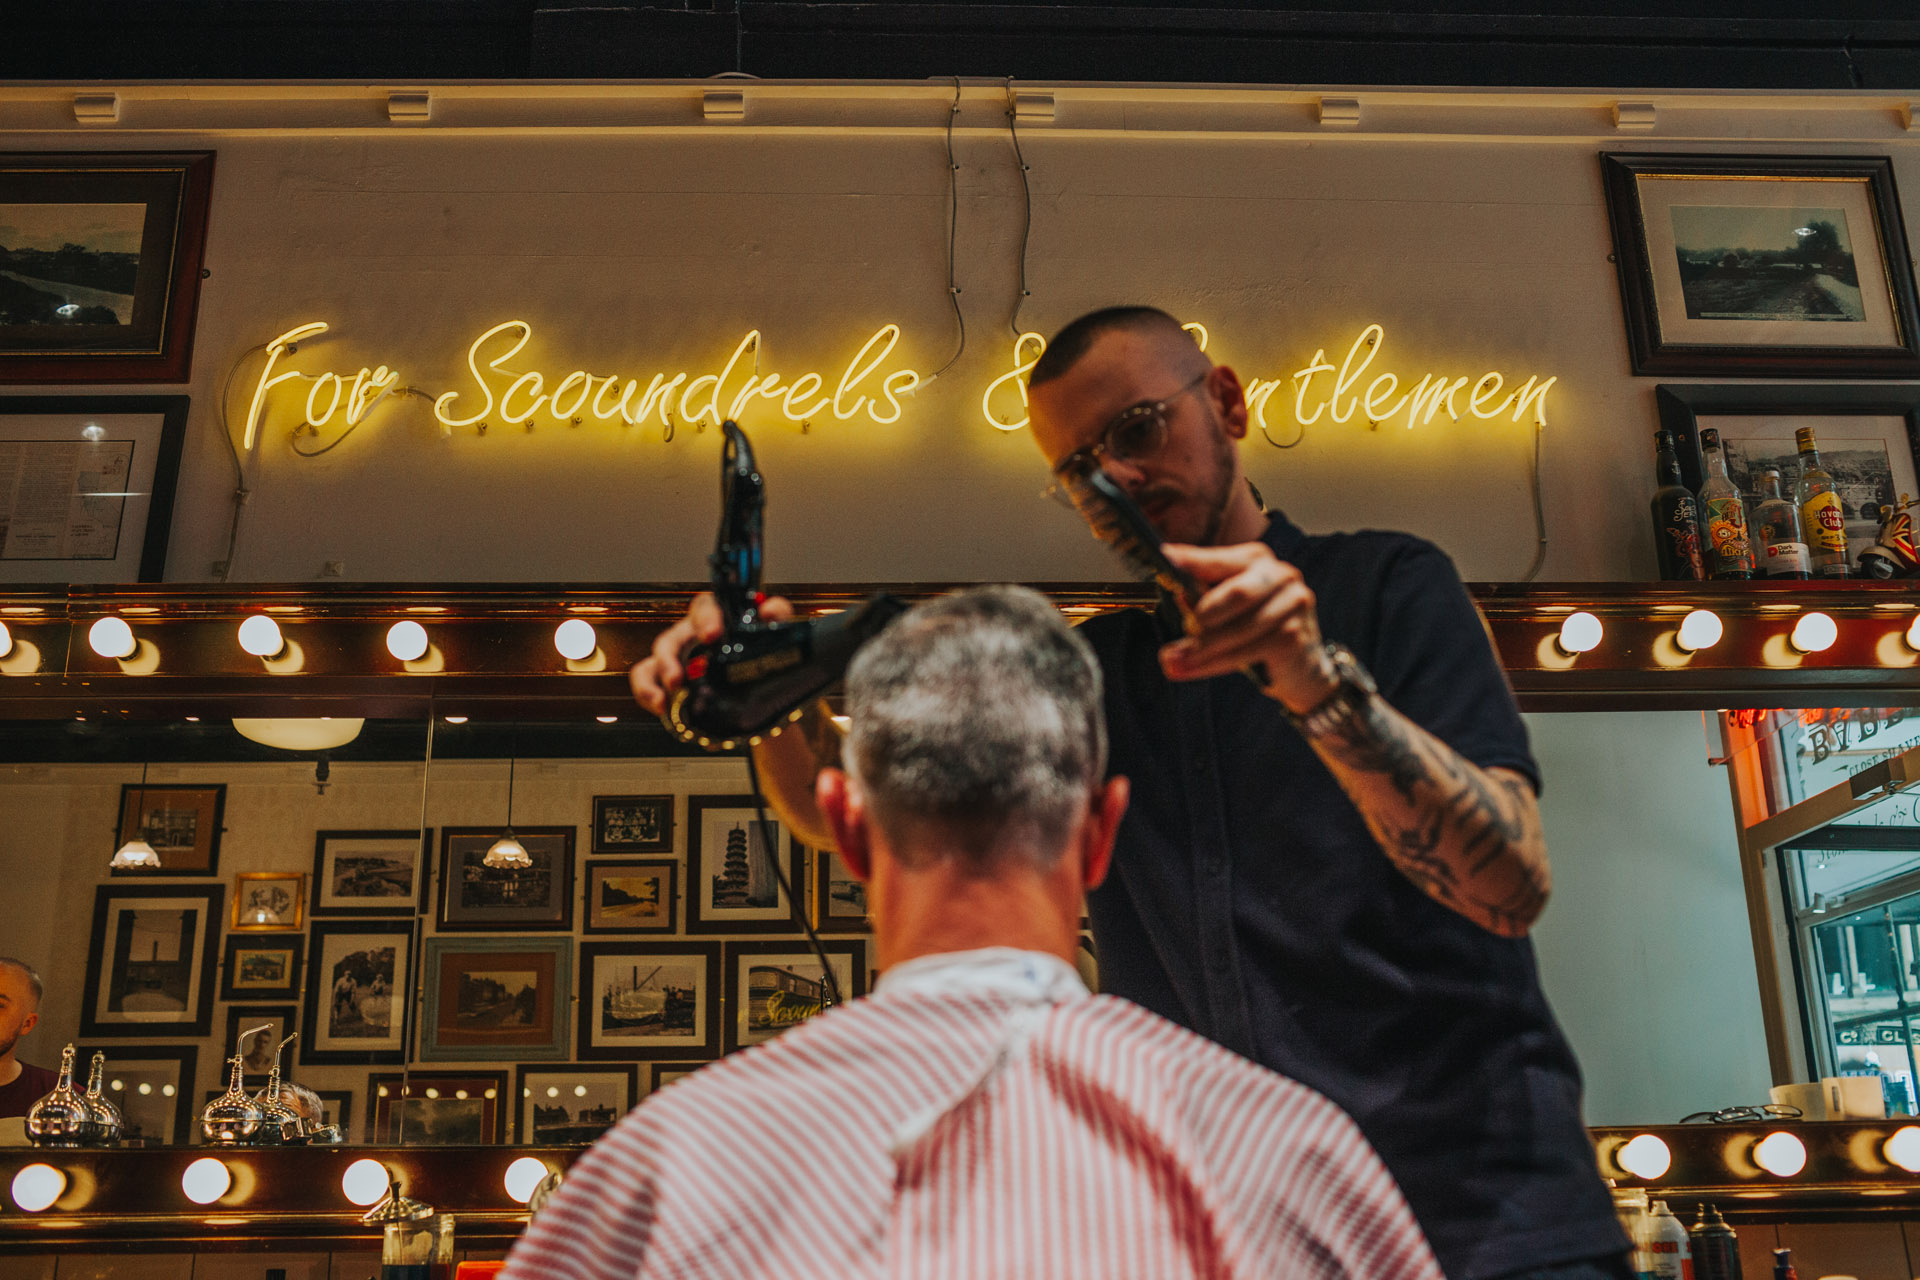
x: 507, y: 854
x: 134, y: 855
x: 289, y: 734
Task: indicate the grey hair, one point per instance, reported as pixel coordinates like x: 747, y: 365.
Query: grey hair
x: 33, y: 976
x: 979, y: 713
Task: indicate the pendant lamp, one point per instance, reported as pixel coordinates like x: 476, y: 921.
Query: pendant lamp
x: 507, y: 853
x: 136, y: 854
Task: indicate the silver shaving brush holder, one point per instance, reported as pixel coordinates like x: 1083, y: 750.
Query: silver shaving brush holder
x: 232, y: 1118
x: 105, y: 1113
x: 280, y: 1124
x: 63, y: 1118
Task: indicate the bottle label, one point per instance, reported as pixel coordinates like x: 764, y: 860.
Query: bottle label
x: 1727, y: 534
x: 1787, y: 558
x: 1826, y: 524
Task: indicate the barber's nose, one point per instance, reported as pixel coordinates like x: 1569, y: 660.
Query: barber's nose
x: 1125, y: 472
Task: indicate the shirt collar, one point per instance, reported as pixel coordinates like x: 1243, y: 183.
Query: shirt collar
x: 1025, y: 975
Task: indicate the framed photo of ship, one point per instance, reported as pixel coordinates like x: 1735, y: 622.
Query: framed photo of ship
x: 647, y: 1000
x: 494, y: 998
x: 631, y: 895
x: 358, y: 982
x: 436, y: 1109
x: 153, y: 1085
x: 633, y: 824
x: 558, y: 1106
x: 261, y: 967
x: 775, y: 985
x: 150, y: 962
x: 840, y: 901
x: 369, y: 873
x: 731, y: 882
x: 181, y: 822
x: 476, y: 897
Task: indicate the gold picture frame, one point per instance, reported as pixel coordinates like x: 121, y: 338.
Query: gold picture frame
x: 269, y: 902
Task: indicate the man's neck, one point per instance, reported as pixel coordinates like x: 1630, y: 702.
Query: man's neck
x: 1244, y: 521
x: 936, y: 910
x: 10, y: 1069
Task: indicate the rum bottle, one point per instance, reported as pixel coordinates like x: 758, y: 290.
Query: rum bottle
x: 1729, y: 550
x: 1783, y: 553
x: 1676, y: 518
x: 1820, y: 512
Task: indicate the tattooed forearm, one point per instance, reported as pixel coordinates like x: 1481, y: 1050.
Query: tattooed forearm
x: 1468, y: 837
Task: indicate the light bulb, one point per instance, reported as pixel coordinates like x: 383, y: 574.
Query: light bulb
x: 407, y: 640
x: 112, y: 638
x: 1913, y: 633
x: 601, y: 719
x: 37, y: 1186
x: 1699, y: 630
x: 1781, y: 1154
x: 1903, y: 1148
x: 364, y: 1182
x: 134, y: 855
x: 507, y: 854
x: 206, y: 1180
x: 523, y: 1175
x: 6, y: 640
x: 579, y: 1091
x: 1646, y: 1157
x: 1580, y: 633
x: 455, y: 719
x: 260, y: 636
x: 575, y: 640
x: 1814, y: 633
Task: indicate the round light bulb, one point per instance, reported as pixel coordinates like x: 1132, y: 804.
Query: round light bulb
x: 407, y: 640
x: 1814, y: 633
x: 6, y: 640
x: 1699, y: 630
x: 365, y: 1182
x: 260, y: 636
x: 579, y: 1091
x: 1780, y: 1154
x: 93, y: 433
x: 1580, y: 633
x: 523, y: 1175
x: 112, y: 638
x: 1646, y: 1157
x: 37, y: 1186
x: 1913, y: 633
x: 206, y: 1180
x: 601, y: 719
x: 575, y: 640
x: 454, y: 719
x: 1903, y: 1148
x: 553, y: 1091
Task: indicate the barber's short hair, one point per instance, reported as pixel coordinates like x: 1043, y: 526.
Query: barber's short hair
x: 980, y: 714
x: 1071, y: 343
x: 33, y: 976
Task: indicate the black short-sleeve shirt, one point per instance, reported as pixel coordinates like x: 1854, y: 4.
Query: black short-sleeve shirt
x: 1249, y: 902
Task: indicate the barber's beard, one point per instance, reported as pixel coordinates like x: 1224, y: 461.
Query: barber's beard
x: 1218, y: 495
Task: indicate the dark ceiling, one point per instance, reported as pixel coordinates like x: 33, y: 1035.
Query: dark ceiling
x: 1759, y: 44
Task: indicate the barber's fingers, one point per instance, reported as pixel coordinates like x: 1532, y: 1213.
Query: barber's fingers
x: 1243, y: 580
x: 655, y: 677
x: 776, y: 609
x: 1282, y: 633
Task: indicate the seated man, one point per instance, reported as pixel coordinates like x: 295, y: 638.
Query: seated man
x: 981, y: 1114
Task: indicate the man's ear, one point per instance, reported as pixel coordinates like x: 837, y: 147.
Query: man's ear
x: 1229, y: 400
x: 1107, y: 807
x: 28, y: 1023
x: 846, y: 816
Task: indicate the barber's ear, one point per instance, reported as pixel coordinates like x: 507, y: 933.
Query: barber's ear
x: 1108, y: 806
x: 846, y: 816
x: 1223, y: 384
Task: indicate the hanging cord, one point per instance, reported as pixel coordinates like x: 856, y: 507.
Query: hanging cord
x: 1026, y: 206
x: 240, y: 491
x: 953, y: 231
x: 772, y: 853
x: 1539, y: 511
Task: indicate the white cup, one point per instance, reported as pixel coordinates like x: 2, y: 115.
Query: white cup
x: 1811, y: 1099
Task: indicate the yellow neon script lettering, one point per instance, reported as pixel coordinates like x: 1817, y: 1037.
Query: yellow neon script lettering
x: 1305, y: 379
x: 1022, y: 365
x: 442, y: 405
x: 369, y: 385
x: 269, y: 379
x: 585, y: 382
x: 857, y: 373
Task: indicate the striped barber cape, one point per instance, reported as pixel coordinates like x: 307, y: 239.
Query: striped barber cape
x: 979, y: 1116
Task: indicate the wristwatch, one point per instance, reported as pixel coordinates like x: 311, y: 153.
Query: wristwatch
x: 1349, y: 698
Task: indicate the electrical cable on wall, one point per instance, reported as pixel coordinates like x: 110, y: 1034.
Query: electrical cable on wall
x: 240, y: 491
x: 953, y: 230
x: 1026, y: 205
x: 1539, y: 512
x: 772, y: 853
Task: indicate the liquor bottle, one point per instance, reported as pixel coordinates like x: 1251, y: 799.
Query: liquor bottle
x: 62, y: 1118
x: 1782, y: 552
x: 1676, y: 518
x: 1820, y: 512
x: 1729, y: 551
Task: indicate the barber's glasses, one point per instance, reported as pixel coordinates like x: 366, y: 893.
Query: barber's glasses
x: 1137, y: 432
x: 1745, y: 1115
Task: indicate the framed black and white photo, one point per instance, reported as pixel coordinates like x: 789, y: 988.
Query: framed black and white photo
x: 1763, y: 266
x: 153, y: 1085
x: 369, y: 872
x: 254, y: 1031
x: 474, y: 896
x: 87, y: 486
x: 268, y: 901
x: 840, y: 900
x: 262, y: 967
x: 633, y: 824
x: 642, y: 1000
x: 337, y: 1109
x: 732, y: 886
x: 631, y: 895
x: 100, y: 264
x: 436, y: 1109
x: 571, y: 1105
x: 150, y: 962
x: 494, y: 998
x: 663, y: 1074
x: 359, y: 979
x: 775, y: 985
x: 182, y: 821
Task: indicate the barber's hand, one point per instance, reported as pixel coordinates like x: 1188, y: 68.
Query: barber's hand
x: 1256, y: 608
x: 657, y: 678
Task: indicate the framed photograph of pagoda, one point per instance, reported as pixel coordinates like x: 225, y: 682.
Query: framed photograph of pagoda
x: 735, y: 868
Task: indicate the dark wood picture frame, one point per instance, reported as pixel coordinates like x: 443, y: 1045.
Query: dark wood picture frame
x: 185, y: 1059
x: 824, y: 919
x: 593, y: 921
x: 741, y: 1005
x: 1654, y: 354
x: 524, y: 1102
x: 316, y: 1050
x: 136, y: 818
x: 552, y: 913
x: 608, y: 815
x: 155, y: 341
x: 385, y: 1126
x: 1681, y: 405
x: 640, y: 952
x: 703, y: 862
x: 656, y: 1076
x: 242, y: 1016
x: 199, y: 954
x: 446, y: 960
x: 293, y: 944
x: 396, y: 905
x: 146, y: 556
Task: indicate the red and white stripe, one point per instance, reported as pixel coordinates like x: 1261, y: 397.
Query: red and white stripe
x: 979, y: 1135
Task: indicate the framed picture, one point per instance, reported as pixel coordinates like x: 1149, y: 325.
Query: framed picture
x: 436, y: 1109
x: 256, y: 1046
x: 153, y: 1085
x: 631, y: 896
x: 649, y: 1000
x: 369, y: 873
x: 256, y: 968
x: 560, y: 1106
x: 264, y: 901
x: 775, y: 985
x: 1763, y: 266
x: 665, y: 1073
x: 840, y: 901
x: 1869, y: 438
x: 492, y: 998
x: 731, y: 883
x: 87, y: 485
x: 474, y: 896
x: 633, y: 824
x: 150, y: 960
x: 358, y: 989
x: 100, y: 274
x: 337, y: 1110
x: 181, y: 822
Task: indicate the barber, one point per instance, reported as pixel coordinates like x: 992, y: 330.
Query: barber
x: 1332, y: 873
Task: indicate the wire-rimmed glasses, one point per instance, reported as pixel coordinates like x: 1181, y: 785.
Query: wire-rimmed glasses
x: 1745, y: 1115
x: 1138, y: 431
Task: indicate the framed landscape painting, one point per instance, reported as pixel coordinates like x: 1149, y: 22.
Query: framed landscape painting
x: 256, y: 968
x: 732, y: 883
x: 475, y: 897
x: 150, y: 960
x: 493, y: 998
x: 369, y: 872
x: 181, y: 822
x: 631, y: 895
x: 571, y: 1105
x: 643, y: 1000
x: 359, y: 981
